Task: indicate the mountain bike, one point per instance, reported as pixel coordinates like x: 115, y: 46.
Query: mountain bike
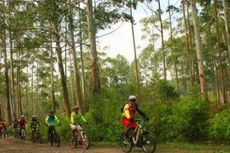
x: 3, y: 132
x: 140, y: 138
x: 54, y: 138
x: 80, y: 138
x: 22, y: 133
x: 36, y: 136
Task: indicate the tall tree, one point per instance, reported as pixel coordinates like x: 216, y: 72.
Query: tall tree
x: 76, y: 69
x: 94, y: 68
x: 227, y: 23
x: 162, y: 38
x: 196, y: 22
x: 223, y: 98
x: 135, y: 57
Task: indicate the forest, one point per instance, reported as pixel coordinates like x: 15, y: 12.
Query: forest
x: 50, y: 59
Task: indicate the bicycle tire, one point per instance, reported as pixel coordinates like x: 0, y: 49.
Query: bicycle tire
x: 23, y: 134
x: 148, y: 142
x: 84, y: 141
x: 126, y: 144
x: 73, y: 141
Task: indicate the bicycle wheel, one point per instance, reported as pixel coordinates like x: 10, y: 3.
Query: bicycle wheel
x: 23, y: 134
x: 37, y: 137
x: 84, y: 141
x: 148, y: 142
x: 57, y: 141
x: 73, y: 141
x: 4, y: 133
x: 126, y: 144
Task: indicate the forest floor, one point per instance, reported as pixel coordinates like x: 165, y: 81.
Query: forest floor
x: 11, y: 145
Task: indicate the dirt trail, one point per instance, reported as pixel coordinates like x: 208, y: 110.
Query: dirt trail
x: 11, y: 145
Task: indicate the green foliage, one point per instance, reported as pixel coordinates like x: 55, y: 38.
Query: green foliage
x: 164, y: 91
x: 185, y: 119
x: 219, y: 127
x: 105, y: 117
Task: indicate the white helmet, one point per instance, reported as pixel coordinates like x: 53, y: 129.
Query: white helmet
x: 132, y: 97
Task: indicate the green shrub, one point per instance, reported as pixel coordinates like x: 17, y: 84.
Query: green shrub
x: 185, y: 119
x: 219, y: 128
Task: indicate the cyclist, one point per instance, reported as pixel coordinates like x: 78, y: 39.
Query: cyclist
x: 2, y: 124
x: 15, y: 124
x: 51, y: 121
x: 21, y: 123
x: 75, y: 120
x: 34, y: 125
x: 128, y: 114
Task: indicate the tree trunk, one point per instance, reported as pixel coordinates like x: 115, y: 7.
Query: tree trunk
x: 94, y: 67
x: 19, y: 102
x: 227, y: 23
x: 188, y: 46
x: 223, y: 98
x: 162, y: 39
x: 171, y: 38
x: 203, y: 86
x: 135, y: 57
x: 193, y: 68
x: 32, y: 89
x: 76, y: 69
x: 8, y: 117
x: 12, y: 87
x: 81, y: 52
x: 61, y: 70
x: 53, y: 104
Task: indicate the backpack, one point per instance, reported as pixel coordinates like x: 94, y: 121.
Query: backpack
x: 122, y: 108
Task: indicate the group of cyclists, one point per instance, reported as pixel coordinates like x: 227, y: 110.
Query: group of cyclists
x: 128, y: 119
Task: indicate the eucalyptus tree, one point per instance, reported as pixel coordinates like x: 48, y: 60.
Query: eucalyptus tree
x: 171, y: 9
x: 188, y: 42
x: 227, y: 23
x: 202, y: 77
x: 223, y: 98
x: 52, y: 13
x: 79, y: 99
x: 3, y: 47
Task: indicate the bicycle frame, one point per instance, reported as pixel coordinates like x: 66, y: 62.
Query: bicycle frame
x: 137, y: 131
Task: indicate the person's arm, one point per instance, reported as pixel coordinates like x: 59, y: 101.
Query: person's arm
x: 46, y: 120
x: 56, y: 119
x: 83, y: 118
x: 141, y: 112
x: 126, y: 111
x: 72, y: 117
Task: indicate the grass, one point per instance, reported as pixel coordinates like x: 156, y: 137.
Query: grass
x: 178, y: 147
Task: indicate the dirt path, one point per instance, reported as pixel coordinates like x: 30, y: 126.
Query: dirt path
x: 11, y: 145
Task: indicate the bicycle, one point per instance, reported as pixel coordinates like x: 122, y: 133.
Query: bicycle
x: 80, y: 138
x: 36, y: 136
x: 3, y: 132
x: 22, y: 133
x: 140, y: 138
x: 54, y: 138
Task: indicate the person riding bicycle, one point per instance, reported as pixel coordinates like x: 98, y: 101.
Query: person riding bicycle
x: 129, y: 113
x: 34, y: 124
x: 75, y: 120
x: 51, y: 121
x: 15, y: 124
x: 22, y: 122
x: 2, y: 123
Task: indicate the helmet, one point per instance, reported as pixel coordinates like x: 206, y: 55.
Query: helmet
x: 34, y: 116
x: 76, y: 107
x: 132, y: 98
x: 22, y: 116
x: 51, y: 112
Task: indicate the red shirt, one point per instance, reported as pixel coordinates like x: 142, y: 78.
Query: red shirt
x: 22, y: 122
